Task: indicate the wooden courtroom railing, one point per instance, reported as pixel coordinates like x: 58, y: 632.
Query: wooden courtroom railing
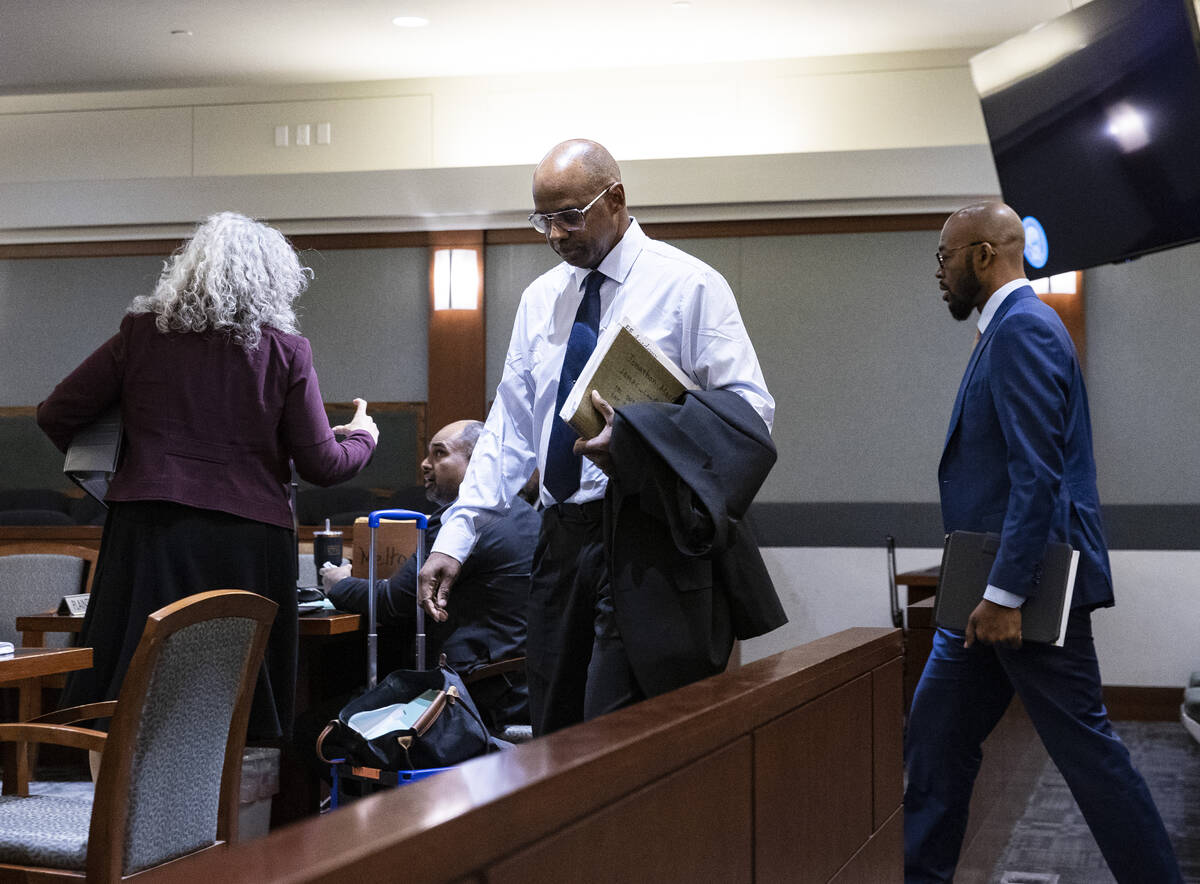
x: 786, y: 769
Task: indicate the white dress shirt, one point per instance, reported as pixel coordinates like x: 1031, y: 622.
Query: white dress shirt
x: 995, y: 593
x: 678, y: 301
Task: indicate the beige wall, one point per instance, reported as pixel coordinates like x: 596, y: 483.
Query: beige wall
x: 829, y: 136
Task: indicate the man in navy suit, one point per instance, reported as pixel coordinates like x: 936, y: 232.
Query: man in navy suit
x: 1018, y: 462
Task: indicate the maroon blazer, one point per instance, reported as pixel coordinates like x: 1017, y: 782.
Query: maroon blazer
x: 206, y: 423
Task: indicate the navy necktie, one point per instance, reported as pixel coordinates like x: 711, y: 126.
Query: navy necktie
x: 562, y: 465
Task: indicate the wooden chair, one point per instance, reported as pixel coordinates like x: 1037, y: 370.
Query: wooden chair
x: 171, y: 765
x: 513, y: 733
x: 34, y: 575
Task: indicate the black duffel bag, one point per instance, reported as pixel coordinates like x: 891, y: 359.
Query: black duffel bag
x: 447, y: 731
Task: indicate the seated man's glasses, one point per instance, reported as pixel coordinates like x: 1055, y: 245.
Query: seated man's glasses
x: 568, y: 219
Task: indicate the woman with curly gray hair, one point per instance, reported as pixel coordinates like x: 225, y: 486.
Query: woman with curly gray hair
x: 218, y: 398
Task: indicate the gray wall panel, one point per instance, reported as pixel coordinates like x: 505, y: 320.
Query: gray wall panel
x: 366, y: 314
x: 860, y: 354
x: 508, y: 270
x: 1143, y: 374
x: 54, y: 312
x: 856, y: 346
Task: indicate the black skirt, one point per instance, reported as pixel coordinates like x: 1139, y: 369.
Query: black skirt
x: 154, y: 553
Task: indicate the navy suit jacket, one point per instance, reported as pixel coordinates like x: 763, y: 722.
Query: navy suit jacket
x: 1018, y: 457
x: 487, y: 609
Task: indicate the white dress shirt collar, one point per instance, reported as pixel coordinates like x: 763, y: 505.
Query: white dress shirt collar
x: 618, y: 262
x: 997, y: 298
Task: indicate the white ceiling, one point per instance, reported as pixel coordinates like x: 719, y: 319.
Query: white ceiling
x: 80, y: 45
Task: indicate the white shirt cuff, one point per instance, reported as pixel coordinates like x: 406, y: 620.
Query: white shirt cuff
x: 993, y: 594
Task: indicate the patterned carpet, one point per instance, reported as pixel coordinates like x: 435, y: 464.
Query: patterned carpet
x: 1051, y: 844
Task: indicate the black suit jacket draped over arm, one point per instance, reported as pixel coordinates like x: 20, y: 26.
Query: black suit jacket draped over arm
x: 687, y: 577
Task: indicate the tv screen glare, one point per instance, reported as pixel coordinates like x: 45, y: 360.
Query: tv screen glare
x: 1094, y: 124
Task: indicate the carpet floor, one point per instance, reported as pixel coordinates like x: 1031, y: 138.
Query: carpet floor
x: 1051, y: 844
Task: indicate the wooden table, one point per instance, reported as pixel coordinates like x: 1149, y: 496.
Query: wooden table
x: 921, y: 584
x: 25, y: 668
x: 33, y: 627
x: 918, y: 633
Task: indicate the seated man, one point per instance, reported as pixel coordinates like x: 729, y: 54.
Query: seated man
x: 488, y: 620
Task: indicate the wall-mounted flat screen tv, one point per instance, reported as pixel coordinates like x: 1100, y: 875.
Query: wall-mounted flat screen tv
x: 1094, y: 123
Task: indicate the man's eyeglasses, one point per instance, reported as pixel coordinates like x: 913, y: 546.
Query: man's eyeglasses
x: 569, y: 220
x: 941, y: 256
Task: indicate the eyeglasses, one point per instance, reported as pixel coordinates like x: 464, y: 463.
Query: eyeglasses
x: 568, y: 219
x: 941, y: 256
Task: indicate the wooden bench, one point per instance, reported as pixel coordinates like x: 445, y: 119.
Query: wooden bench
x: 786, y: 769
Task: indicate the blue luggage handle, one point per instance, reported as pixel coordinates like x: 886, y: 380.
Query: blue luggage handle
x: 373, y: 521
x: 398, y: 516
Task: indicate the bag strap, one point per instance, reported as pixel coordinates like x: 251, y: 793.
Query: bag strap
x: 487, y: 735
x: 430, y: 715
x: 329, y: 728
x: 445, y: 698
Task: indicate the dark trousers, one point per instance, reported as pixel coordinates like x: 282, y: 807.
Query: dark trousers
x: 962, y: 694
x: 576, y: 663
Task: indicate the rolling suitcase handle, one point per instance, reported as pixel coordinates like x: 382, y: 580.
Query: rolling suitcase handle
x: 373, y: 521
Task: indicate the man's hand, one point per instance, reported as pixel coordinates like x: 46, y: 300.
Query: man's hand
x: 433, y: 584
x: 596, y: 448
x: 994, y: 624
x: 333, y: 575
x: 360, y: 421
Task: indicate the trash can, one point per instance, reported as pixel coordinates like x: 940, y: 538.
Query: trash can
x: 260, y: 783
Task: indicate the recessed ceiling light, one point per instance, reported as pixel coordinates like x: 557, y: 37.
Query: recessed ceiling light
x: 681, y: 5
x: 410, y: 21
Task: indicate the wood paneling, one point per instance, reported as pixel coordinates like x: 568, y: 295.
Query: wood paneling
x: 394, y: 240
x: 501, y: 236
x: 813, y: 790
x: 83, y: 535
x: 918, y: 644
x: 163, y: 247
x: 457, y: 342
x: 633, y: 779
x: 1139, y: 703
x: 702, y: 811
x: 94, y: 249
x: 876, y: 862
x: 1070, y: 309
x: 887, y: 755
x: 753, y: 227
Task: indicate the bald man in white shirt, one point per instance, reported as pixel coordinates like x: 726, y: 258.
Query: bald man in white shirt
x: 577, y: 668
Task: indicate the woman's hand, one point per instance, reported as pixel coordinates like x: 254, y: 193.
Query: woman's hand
x: 360, y: 421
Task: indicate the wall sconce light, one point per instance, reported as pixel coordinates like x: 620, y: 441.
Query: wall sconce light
x: 455, y: 279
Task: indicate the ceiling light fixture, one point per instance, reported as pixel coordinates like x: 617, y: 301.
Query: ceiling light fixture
x: 410, y: 21
x: 180, y: 32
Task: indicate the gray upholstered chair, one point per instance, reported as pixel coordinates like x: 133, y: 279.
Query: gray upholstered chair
x: 1189, y: 712
x: 171, y: 761
x: 34, y: 576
